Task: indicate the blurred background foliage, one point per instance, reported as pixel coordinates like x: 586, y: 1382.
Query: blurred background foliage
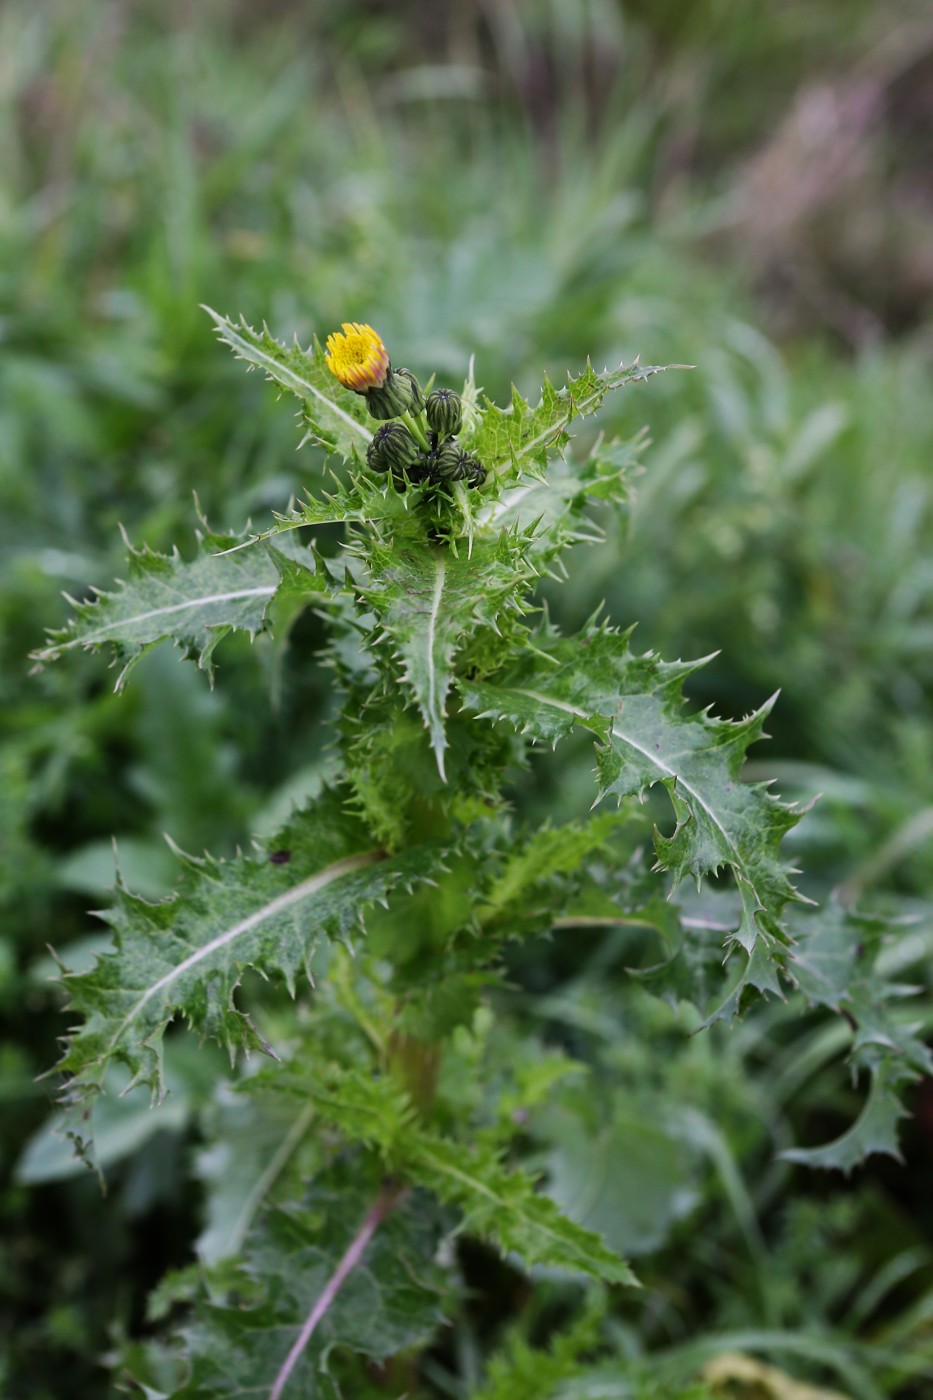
x: 740, y: 186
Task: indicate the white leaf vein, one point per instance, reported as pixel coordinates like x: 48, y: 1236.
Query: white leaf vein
x: 310, y: 886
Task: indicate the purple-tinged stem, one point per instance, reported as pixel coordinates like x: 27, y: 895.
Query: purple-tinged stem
x: 389, y: 1196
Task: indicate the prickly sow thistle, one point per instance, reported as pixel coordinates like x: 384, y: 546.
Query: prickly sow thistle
x: 436, y: 647
x: 416, y: 441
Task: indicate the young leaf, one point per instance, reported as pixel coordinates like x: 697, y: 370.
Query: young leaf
x: 312, y: 882
x: 223, y: 589
x: 526, y: 878
x: 247, y: 1318
x: 364, y: 498
x: 634, y: 704
x: 336, y: 418
x: 496, y: 1203
x: 553, y: 509
x: 505, y: 1207
x: 520, y: 438
x: 428, y: 599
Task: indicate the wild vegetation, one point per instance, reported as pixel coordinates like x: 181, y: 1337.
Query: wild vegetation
x: 437, y: 173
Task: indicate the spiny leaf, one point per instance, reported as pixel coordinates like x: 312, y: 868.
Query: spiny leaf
x: 550, y: 850
x: 223, y: 589
x: 391, y: 767
x: 427, y: 599
x: 496, y: 1203
x: 525, y: 882
x: 364, y: 499
x: 336, y: 418
x: 505, y: 1207
x: 519, y: 438
x: 875, y: 1129
x: 634, y: 705
x: 835, y: 965
x: 309, y: 884
x: 552, y: 507
x: 246, y: 1318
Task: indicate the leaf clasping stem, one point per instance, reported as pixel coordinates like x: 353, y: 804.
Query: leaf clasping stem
x: 390, y: 1194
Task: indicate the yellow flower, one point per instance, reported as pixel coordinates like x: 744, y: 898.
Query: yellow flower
x: 357, y: 357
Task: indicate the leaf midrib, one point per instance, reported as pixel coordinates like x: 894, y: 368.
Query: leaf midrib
x: 345, y: 866
x: 205, y: 600
x: 657, y: 762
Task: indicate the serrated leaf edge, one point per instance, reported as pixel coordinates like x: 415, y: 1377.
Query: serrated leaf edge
x: 228, y: 332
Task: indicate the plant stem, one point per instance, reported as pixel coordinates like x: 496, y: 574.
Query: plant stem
x: 390, y: 1193
x: 414, y: 426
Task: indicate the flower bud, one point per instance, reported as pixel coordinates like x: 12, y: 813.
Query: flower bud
x: 392, y: 449
x: 448, y: 462
x: 445, y: 412
x: 476, y: 473
x: 417, y: 397
x: 400, y: 393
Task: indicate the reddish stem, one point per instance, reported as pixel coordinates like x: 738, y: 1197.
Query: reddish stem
x: 389, y: 1196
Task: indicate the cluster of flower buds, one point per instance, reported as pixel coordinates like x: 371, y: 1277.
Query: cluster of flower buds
x: 416, y: 439
x: 395, y: 449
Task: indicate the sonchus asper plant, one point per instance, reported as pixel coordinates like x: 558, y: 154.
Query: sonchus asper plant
x: 388, y: 1112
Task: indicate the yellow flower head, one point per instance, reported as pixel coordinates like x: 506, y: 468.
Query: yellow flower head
x: 357, y: 357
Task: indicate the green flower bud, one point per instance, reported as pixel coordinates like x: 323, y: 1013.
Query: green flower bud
x: 448, y: 462
x: 445, y: 412
x: 476, y: 472
x: 392, y: 449
x: 417, y: 396
x: 399, y: 393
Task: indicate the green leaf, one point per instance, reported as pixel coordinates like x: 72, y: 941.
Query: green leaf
x: 257, y: 1146
x: 309, y: 884
x: 496, y: 1203
x: 504, y: 1206
x: 522, y: 1372
x: 634, y: 704
x: 246, y: 1319
x: 121, y: 1126
x: 335, y: 417
x: 429, y: 599
x: 225, y: 588
x: 875, y: 1129
x: 835, y: 965
x: 532, y: 860
x: 364, y: 498
x: 552, y: 508
x: 520, y: 438
x: 629, y: 1179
